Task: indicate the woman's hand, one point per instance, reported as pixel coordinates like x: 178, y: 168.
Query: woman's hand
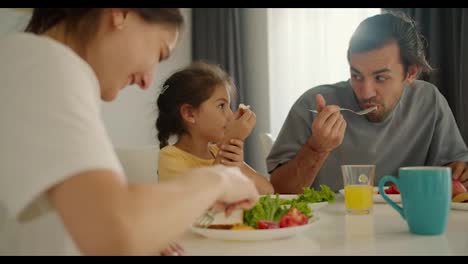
x: 239, y: 191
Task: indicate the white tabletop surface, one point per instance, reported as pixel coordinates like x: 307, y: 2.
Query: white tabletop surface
x: 383, y: 232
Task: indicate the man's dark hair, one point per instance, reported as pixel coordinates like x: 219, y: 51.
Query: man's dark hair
x: 379, y: 30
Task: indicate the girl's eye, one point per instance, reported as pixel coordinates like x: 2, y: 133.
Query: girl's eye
x: 221, y: 106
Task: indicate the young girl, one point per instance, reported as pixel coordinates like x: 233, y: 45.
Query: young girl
x: 194, y: 106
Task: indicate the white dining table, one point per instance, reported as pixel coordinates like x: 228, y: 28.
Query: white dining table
x: 383, y: 232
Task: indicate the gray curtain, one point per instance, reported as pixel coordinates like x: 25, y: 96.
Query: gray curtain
x: 217, y: 39
x: 446, y: 33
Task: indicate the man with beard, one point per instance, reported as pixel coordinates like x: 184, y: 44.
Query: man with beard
x: 412, y: 125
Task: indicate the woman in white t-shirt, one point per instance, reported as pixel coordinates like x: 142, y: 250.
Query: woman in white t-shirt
x: 57, y: 164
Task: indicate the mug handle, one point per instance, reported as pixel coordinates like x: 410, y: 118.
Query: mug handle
x: 394, y: 180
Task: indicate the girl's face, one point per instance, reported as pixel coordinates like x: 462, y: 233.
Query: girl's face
x: 213, y: 115
x: 127, y: 49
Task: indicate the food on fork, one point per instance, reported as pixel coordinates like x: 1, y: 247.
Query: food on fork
x: 244, y: 107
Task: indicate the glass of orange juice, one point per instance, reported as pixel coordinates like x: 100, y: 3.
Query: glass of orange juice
x: 358, y: 188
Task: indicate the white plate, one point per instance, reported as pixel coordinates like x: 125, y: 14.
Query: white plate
x: 379, y: 199
x: 313, y: 206
x: 460, y: 206
x: 254, y: 235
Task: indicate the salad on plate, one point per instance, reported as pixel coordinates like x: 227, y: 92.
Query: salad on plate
x: 271, y: 218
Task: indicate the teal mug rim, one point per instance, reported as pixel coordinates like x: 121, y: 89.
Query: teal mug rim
x: 425, y: 168
x: 357, y: 165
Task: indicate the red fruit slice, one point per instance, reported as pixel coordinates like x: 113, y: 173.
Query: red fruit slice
x: 457, y: 188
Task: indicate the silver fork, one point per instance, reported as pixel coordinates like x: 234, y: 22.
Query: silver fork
x: 362, y: 112
x: 206, y: 219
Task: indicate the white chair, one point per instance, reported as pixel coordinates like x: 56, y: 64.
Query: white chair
x: 139, y: 163
x: 267, y: 141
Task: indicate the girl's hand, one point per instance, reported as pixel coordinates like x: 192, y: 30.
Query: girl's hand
x: 174, y: 249
x: 231, y: 154
x: 241, y: 125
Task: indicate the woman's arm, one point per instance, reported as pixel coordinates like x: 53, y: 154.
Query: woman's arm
x: 108, y: 217
x: 261, y: 182
x: 231, y: 154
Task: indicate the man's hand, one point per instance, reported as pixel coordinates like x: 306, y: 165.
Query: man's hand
x: 460, y: 172
x: 328, y: 127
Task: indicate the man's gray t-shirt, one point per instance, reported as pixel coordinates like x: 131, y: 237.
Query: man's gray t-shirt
x: 420, y: 131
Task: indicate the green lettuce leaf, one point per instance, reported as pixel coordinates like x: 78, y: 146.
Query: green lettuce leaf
x: 271, y: 207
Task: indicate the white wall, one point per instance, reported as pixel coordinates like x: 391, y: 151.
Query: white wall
x: 255, y: 42
x: 130, y: 118
x: 13, y: 20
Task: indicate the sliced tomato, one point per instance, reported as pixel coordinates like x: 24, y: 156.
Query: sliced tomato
x: 457, y: 188
x: 265, y: 224
x: 287, y: 221
x: 392, y: 190
x: 294, y: 217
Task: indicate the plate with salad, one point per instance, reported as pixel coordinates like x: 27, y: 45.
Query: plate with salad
x: 255, y: 234
x: 274, y: 217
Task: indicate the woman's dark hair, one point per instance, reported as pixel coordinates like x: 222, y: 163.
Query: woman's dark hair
x: 84, y: 20
x: 192, y: 85
x: 379, y: 30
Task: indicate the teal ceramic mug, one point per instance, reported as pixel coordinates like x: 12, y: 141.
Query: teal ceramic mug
x: 425, y: 197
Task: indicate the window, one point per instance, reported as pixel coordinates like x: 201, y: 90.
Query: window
x: 307, y: 47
